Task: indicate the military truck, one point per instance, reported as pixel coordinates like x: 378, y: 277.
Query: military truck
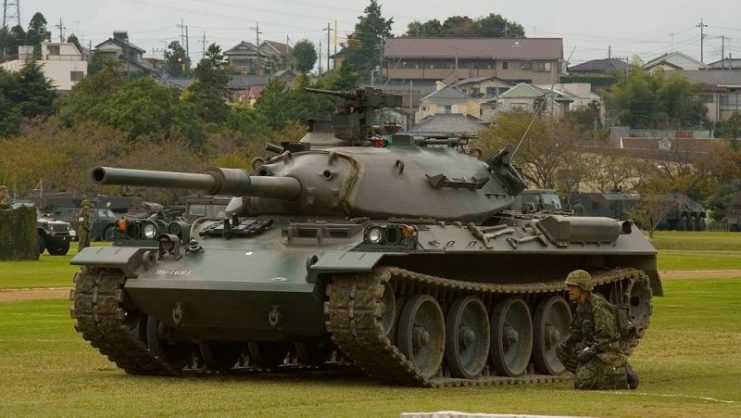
x: 54, y: 235
x: 680, y: 213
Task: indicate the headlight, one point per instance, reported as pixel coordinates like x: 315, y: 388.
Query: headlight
x: 149, y: 230
x: 374, y: 235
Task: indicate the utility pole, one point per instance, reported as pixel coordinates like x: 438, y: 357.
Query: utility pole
x: 9, y: 17
x: 702, y: 26
x: 61, y: 28
x: 320, y: 56
x: 184, y: 40
x: 671, y: 36
x: 256, y: 28
x: 203, y: 54
x: 329, y: 30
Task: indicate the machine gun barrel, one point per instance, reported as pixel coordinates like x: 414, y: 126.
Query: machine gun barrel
x: 347, y: 95
x: 215, y: 181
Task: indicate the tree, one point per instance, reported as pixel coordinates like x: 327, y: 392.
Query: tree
x: 72, y: 39
x: 655, y: 101
x: 24, y: 94
x: 493, y: 25
x: 37, y: 33
x: 209, y: 91
x: 305, y: 55
x: 370, y: 32
x: 176, y: 60
x: 548, y: 157
x: 10, y: 38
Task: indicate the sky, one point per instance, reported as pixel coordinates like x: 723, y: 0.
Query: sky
x: 589, y: 28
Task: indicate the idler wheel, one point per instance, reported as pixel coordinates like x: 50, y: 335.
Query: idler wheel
x: 512, y: 332
x: 421, y: 334
x: 551, y: 323
x: 468, y: 337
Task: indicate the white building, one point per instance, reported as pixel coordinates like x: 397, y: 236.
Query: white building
x: 62, y: 63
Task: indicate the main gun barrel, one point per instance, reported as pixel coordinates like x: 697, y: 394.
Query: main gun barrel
x: 215, y: 181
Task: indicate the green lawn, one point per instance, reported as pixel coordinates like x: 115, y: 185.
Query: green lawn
x: 677, y: 251
x: 49, y: 271
x: 689, y: 362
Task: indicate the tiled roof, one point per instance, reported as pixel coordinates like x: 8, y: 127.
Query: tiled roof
x: 480, y: 48
x: 447, y: 93
x: 714, y: 77
x: 606, y: 65
x: 454, y: 124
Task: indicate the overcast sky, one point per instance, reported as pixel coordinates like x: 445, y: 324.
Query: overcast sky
x: 646, y: 28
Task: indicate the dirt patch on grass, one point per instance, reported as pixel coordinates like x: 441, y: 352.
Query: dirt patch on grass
x: 8, y: 295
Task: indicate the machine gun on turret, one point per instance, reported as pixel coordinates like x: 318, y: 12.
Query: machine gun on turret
x: 352, y: 120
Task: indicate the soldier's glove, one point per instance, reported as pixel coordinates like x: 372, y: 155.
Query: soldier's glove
x: 586, y: 354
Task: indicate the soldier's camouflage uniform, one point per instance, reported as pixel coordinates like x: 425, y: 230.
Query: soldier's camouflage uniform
x: 590, y: 351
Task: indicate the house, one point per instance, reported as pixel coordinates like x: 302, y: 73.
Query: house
x: 485, y: 87
x: 61, y: 62
x: 246, y: 58
x: 599, y: 66
x: 721, y: 91
x: 241, y: 87
x: 447, y: 100
x: 119, y: 48
x: 524, y: 97
x: 580, y: 93
x: 531, y: 60
x: 673, y: 61
x: 726, y: 64
x: 449, y: 125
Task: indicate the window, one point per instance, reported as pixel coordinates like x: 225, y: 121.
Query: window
x: 542, y: 67
x: 526, y: 65
x: 76, y: 75
x: 707, y: 98
x: 447, y: 109
x: 505, y: 65
x: 53, y: 49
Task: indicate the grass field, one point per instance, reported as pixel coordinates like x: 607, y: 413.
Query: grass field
x: 689, y: 362
x: 677, y: 251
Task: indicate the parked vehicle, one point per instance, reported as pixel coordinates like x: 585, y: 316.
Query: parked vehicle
x: 54, y: 235
x: 680, y: 213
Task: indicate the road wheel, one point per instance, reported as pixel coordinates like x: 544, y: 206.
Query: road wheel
x: 422, y: 334
x: 42, y: 243
x: 512, y: 337
x: 551, y: 324
x: 467, y: 337
x: 59, y: 248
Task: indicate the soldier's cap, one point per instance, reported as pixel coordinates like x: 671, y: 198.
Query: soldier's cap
x: 579, y: 278
x: 85, y: 202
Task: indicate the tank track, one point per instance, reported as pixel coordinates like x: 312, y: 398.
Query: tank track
x: 354, y: 307
x: 100, y: 317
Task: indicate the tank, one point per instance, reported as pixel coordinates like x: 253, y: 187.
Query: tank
x: 394, y: 253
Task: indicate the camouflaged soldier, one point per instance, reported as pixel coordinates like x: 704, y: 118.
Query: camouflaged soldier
x: 84, y: 226
x: 591, y: 350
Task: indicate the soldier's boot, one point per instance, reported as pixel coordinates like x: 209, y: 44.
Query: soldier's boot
x: 633, y: 379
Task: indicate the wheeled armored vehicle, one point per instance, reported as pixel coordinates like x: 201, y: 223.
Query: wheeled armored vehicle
x: 391, y: 252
